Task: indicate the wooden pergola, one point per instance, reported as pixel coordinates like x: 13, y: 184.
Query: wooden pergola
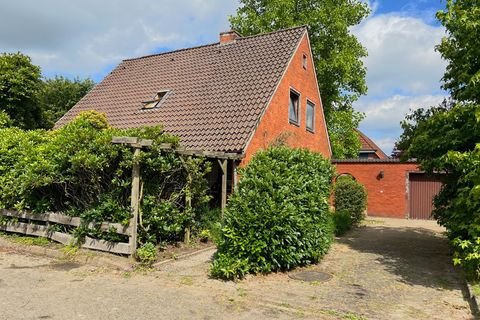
x: 137, y: 144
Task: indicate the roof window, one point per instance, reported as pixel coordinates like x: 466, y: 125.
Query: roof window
x: 157, y: 100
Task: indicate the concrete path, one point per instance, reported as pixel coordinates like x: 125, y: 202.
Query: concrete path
x: 388, y: 269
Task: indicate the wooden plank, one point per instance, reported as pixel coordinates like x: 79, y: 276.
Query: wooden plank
x: 23, y: 215
x: 106, y: 226
x: 63, y: 219
x: 102, y: 245
x: 25, y: 228
x: 125, y: 140
x: 42, y: 231
x: 66, y: 220
x: 61, y: 237
x: 133, y: 141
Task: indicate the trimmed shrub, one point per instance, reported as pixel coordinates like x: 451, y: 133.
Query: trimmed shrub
x: 350, y: 196
x: 342, y: 221
x: 278, y: 218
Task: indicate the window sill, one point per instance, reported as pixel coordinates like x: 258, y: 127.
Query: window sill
x: 311, y: 130
x: 296, y: 124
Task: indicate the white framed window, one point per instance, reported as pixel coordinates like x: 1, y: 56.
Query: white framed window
x: 293, y: 108
x: 304, y: 61
x: 310, y: 116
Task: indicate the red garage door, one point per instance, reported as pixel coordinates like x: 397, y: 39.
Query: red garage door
x: 422, y: 190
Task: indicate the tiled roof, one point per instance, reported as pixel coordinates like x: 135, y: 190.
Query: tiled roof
x: 218, y: 92
x: 369, y: 146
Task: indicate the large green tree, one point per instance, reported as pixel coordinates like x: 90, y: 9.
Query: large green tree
x: 58, y: 95
x: 337, y: 53
x: 461, y: 49
x: 446, y: 138
x: 20, y: 81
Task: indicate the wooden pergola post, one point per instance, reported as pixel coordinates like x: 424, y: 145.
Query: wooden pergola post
x: 223, y: 165
x: 234, y: 175
x: 135, y: 200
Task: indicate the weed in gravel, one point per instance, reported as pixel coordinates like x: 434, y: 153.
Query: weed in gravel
x: 343, y: 315
x: 30, y: 241
x: 241, y: 292
x: 70, y: 251
x: 186, y: 280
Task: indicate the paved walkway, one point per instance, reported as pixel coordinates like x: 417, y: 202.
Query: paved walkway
x: 388, y: 269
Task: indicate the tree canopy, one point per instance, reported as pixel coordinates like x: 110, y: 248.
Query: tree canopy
x: 336, y: 52
x: 20, y: 81
x: 461, y: 48
x: 445, y: 139
x: 56, y: 96
x: 27, y: 100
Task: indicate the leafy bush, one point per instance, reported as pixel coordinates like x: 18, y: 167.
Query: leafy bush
x: 278, y: 218
x: 147, y: 254
x: 342, y: 221
x: 350, y: 196
x: 77, y: 170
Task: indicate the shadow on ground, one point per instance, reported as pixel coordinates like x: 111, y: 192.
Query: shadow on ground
x: 417, y: 256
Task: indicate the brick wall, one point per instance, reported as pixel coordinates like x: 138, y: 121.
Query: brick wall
x: 275, y: 121
x: 387, y: 196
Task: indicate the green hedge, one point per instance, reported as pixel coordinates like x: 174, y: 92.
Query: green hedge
x: 350, y: 196
x: 278, y: 218
x: 77, y: 170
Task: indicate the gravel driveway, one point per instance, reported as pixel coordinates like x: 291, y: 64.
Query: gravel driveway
x: 387, y: 269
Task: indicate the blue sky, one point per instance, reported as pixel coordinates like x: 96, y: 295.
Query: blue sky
x: 89, y: 38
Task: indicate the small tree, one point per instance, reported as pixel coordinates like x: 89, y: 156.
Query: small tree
x: 351, y: 197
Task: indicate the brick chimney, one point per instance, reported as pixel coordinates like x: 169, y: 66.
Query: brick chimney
x: 229, y: 36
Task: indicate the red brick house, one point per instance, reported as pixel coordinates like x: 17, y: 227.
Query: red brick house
x: 237, y: 95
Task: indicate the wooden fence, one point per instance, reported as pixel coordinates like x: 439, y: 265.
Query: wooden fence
x: 33, y: 228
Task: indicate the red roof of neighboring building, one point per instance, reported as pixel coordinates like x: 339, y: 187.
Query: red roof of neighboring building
x: 217, y: 92
x: 369, y: 146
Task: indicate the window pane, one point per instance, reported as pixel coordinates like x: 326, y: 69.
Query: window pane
x: 293, y: 108
x: 310, y: 115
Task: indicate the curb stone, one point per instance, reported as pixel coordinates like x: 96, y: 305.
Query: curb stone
x: 473, y: 300
x: 187, y: 255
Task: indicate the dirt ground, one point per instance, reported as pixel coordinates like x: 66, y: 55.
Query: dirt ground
x: 388, y: 269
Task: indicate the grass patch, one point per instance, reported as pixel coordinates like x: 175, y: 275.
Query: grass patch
x: 476, y: 289
x: 29, y: 241
x: 343, y: 315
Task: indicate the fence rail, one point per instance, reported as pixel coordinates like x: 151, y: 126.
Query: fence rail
x: 33, y: 229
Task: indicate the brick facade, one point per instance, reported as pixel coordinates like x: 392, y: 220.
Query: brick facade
x: 275, y: 122
x: 387, y: 195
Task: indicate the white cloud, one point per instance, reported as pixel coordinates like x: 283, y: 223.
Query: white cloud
x: 403, y: 72
x: 86, y: 37
x: 401, y: 55
x: 382, y: 122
